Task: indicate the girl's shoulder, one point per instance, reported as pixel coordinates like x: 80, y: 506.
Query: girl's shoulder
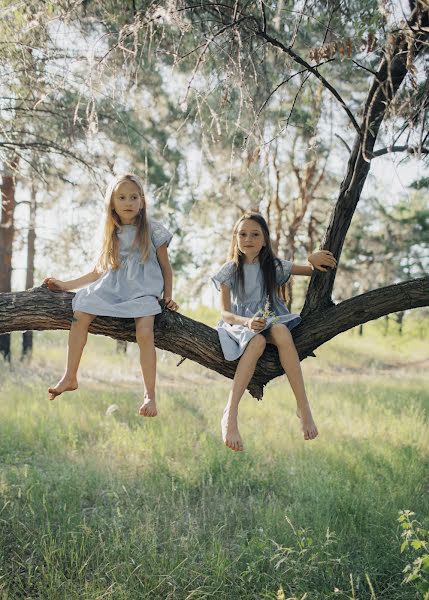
x: 153, y: 222
x: 283, y: 270
x: 230, y: 264
x: 228, y: 267
x: 225, y: 275
x: 159, y: 233
x: 282, y: 263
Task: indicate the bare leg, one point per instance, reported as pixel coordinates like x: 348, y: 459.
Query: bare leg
x: 77, y: 340
x: 280, y: 336
x: 245, y: 369
x: 145, y: 340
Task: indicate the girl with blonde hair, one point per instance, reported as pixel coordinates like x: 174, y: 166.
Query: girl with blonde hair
x: 133, y: 272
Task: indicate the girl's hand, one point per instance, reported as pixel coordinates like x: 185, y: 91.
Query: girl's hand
x: 256, y: 323
x: 321, y: 259
x: 169, y: 303
x: 55, y: 284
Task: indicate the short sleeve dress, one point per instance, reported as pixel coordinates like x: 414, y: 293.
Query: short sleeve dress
x: 248, y: 301
x: 134, y: 288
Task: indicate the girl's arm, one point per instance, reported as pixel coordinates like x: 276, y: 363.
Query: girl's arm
x: 225, y: 308
x: 318, y: 260
x: 254, y: 323
x: 73, y: 284
x: 167, y: 274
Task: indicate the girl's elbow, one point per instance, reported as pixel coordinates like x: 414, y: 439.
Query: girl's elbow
x: 225, y: 316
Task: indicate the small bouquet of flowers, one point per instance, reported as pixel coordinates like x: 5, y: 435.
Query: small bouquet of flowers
x: 266, y: 313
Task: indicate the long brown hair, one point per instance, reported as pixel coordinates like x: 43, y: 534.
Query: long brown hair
x: 267, y: 260
x: 109, y: 257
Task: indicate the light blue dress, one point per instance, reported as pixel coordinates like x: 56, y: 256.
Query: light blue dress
x: 133, y: 289
x: 248, y: 301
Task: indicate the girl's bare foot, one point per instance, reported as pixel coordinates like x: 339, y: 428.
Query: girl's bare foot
x: 65, y: 384
x: 307, y: 424
x: 148, y: 408
x: 230, y: 434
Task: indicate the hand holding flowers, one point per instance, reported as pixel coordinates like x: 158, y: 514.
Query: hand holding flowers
x: 259, y: 320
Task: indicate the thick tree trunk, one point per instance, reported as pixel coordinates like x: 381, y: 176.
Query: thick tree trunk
x: 41, y: 309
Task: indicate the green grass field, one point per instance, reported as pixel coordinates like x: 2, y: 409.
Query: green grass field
x: 98, y: 503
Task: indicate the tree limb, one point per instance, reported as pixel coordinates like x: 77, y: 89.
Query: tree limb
x: 344, y: 142
x: 406, y: 148
x: 42, y: 309
x: 288, y: 50
x: 390, y: 75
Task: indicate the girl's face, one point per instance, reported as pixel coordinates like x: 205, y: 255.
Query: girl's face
x: 127, y: 201
x: 250, y: 239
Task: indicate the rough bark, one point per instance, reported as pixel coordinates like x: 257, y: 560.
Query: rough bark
x: 41, y: 309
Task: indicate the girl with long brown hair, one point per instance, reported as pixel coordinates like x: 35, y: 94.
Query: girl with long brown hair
x: 254, y: 313
x: 133, y: 272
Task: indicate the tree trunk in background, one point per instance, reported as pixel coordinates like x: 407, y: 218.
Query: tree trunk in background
x: 6, y: 241
x: 386, y: 325
x: 400, y: 320
x: 27, y: 336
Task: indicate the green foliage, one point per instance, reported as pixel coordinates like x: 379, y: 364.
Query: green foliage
x: 415, y: 544
x: 420, y: 184
x: 386, y: 244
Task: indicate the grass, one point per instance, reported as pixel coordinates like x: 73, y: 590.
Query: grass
x: 101, y: 504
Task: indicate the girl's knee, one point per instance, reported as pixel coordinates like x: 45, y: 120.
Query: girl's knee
x: 144, y: 334
x: 81, y: 318
x: 259, y: 342
x: 280, y: 332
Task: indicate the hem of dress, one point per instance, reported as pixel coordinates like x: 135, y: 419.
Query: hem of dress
x: 294, y: 322
x: 149, y: 312
x: 105, y: 314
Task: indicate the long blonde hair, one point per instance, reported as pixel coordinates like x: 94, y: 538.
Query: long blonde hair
x: 109, y: 257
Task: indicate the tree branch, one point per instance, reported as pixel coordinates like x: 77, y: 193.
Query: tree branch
x: 326, y: 324
x: 390, y: 75
x: 283, y: 83
x: 344, y: 142
x: 406, y: 148
x: 42, y: 309
x: 288, y: 50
